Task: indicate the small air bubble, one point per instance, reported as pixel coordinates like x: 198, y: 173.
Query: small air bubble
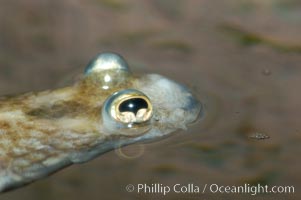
x: 266, y: 72
x: 259, y: 136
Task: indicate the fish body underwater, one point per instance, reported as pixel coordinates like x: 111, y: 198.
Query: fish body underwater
x: 109, y: 107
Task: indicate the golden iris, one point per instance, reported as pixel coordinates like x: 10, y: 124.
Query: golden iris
x: 132, y: 107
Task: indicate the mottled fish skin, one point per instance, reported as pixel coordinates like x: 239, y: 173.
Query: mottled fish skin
x: 43, y: 132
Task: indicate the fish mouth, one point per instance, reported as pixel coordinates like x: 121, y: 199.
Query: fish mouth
x: 186, y: 113
x: 192, y: 113
x: 175, y: 105
x: 195, y: 109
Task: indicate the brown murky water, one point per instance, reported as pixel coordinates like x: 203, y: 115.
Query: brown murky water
x: 241, y: 56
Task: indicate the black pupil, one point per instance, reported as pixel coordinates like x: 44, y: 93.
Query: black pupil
x: 132, y: 105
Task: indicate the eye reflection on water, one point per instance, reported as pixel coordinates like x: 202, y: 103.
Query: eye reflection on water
x: 246, y: 75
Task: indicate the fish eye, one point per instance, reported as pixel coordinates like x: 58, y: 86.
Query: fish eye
x: 130, y: 107
x: 127, y: 109
x: 133, y: 110
x: 106, y: 61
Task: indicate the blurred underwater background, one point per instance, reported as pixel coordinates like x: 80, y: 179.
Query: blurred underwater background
x: 241, y: 57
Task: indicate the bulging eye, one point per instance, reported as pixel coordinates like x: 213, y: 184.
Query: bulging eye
x: 133, y: 110
x: 107, y: 70
x: 106, y: 61
x: 127, y: 112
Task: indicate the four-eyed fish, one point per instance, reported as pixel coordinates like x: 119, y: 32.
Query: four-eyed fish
x: 108, y: 108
